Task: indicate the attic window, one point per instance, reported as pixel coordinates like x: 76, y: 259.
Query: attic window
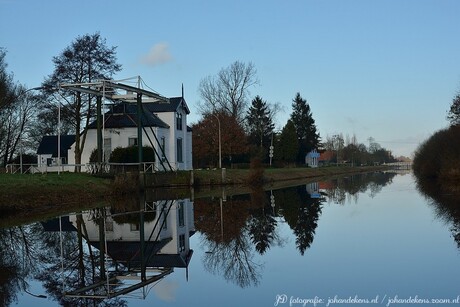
x: 179, y: 121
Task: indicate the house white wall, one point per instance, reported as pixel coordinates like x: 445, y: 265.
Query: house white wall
x: 119, y: 137
x: 174, y: 134
x: 47, y: 163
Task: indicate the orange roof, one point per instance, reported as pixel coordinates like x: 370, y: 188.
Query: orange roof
x: 327, y: 155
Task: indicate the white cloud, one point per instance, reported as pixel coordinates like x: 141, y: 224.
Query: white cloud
x: 158, y: 54
x: 166, y: 290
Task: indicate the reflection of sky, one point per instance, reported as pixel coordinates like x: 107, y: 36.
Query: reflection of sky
x: 387, y: 245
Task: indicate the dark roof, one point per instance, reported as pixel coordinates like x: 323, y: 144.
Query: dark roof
x: 49, y: 145
x: 57, y: 224
x: 125, y: 115
x: 172, y: 106
x: 129, y: 252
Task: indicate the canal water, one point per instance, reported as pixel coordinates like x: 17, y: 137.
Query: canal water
x: 362, y: 240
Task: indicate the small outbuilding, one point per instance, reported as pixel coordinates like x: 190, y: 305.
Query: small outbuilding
x: 47, y: 152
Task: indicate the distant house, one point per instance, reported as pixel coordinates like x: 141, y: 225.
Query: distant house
x: 312, y: 158
x: 326, y: 157
x: 47, y: 152
x: 164, y: 128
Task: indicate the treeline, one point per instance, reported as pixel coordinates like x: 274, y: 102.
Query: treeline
x: 247, y: 128
x: 253, y: 136
x: 438, y: 157
x: 348, y: 150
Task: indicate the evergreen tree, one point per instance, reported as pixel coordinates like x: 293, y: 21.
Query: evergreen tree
x: 259, y: 123
x: 287, y: 146
x: 453, y: 116
x: 305, y: 127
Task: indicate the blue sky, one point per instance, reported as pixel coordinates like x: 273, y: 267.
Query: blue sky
x: 386, y: 69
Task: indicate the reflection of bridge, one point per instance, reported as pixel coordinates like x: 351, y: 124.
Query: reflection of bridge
x: 137, y: 248
x: 400, y: 165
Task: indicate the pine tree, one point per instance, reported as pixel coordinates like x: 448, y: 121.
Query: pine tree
x: 305, y: 127
x: 259, y: 123
x: 453, y: 116
x: 287, y: 146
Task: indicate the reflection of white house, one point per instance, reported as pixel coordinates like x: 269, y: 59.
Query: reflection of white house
x: 165, y: 128
x: 312, y: 188
x: 166, y: 236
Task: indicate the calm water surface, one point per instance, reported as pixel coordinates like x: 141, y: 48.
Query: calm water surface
x: 370, y: 237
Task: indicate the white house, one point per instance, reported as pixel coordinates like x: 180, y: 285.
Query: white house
x: 165, y: 129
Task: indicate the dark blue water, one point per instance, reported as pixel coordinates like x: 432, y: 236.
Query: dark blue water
x: 359, y: 241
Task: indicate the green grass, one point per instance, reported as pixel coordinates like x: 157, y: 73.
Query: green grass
x: 49, y: 179
x: 19, y: 190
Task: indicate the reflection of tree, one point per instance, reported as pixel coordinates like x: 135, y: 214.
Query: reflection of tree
x: 230, y: 252
x: 301, y: 212
x: 233, y: 260
x: 18, y: 253
x: 262, y: 223
x: 262, y: 230
x: 352, y: 185
x: 445, y: 199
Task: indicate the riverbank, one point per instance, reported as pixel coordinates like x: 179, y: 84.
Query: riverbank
x: 51, y: 188
x: 39, y: 196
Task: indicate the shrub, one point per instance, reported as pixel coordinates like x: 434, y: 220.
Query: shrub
x: 130, y: 154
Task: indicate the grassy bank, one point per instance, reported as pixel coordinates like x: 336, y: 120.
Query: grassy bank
x: 26, y: 191
x: 241, y: 176
x: 17, y: 189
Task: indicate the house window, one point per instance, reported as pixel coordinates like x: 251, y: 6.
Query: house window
x: 134, y: 227
x: 132, y: 141
x: 181, y: 214
x: 179, y: 151
x: 49, y: 161
x: 179, y: 121
x: 163, y: 147
x: 107, y: 149
x: 181, y: 243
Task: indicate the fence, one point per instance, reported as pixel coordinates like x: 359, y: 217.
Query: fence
x: 93, y: 168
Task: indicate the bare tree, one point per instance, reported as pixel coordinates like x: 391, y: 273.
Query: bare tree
x: 228, y: 91
x: 18, y: 109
